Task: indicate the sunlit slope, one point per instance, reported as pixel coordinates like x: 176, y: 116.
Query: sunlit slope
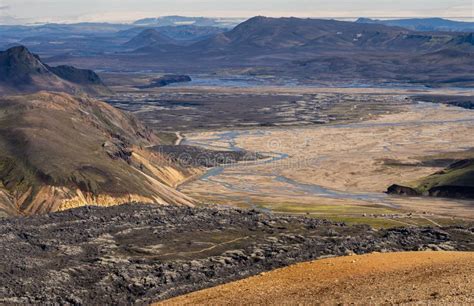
x: 390, y: 278
x: 455, y: 181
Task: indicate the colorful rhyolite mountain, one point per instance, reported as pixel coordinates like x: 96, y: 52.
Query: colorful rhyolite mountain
x: 58, y: 152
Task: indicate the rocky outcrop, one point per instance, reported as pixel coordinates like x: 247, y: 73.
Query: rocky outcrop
x: 457, y: 192
x: 199, y: 157
x: 455, y: 181
x: 402, y: 190
x: 167, y: 80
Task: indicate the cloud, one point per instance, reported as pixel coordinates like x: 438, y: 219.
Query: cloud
x: 4, y: 7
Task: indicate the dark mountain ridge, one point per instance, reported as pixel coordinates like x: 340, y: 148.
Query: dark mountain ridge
x: 17, y: 64
x: 279, y: 34
x: 23, y: 71
x: 337, y: 51
x: 182, y: 33
x: 424, y: 24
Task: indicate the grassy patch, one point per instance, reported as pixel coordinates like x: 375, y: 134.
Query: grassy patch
x: 325, y: 209
x: 374, y: 222
x: 373, y: 215
x: 167, y: 138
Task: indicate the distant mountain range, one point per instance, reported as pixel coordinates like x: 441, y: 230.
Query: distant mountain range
x: 424, y: 24
x: 275, y: 34
x: 308, y: 50
x: 328, y: 51
x: 261, y: 36
x: 92, y: 39
x: 22, y: 71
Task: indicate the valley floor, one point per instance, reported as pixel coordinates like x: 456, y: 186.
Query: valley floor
x: 341, y: 171
x: 377, y: 278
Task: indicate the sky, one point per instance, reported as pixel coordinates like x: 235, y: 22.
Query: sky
x: 30, y: 11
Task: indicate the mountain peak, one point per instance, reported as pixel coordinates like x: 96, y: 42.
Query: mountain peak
x: 21, y: 52
x: 18, y: 50
x: 18, y: 64
x: 258, y: 18
x: 149, y: 37
x: 23, y: 71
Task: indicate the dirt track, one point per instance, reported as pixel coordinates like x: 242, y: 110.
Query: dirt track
x: 428, y: 277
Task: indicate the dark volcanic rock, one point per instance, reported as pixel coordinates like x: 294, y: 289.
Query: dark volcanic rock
x: 144, y: 253
x: 402, y: 190
x: 22, y: 71
x: 456, y: 192
x: 167, y: 80
x: 460, y: 101
x: 185, y: 155
x: 455, y: 181
x: 78, y: 76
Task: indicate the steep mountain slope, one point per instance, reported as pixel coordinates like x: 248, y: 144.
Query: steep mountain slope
x: 22, y: 71
x: 424, y: 24
x: 59, y: 152
x: 456, y: 181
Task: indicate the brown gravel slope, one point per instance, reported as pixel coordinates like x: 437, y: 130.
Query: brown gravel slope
x: 432, y: 277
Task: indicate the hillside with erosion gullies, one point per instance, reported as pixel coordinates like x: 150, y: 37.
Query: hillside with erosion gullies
x: 58, y: 152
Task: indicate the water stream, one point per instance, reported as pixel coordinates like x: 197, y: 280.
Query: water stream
x: 229, y: 140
